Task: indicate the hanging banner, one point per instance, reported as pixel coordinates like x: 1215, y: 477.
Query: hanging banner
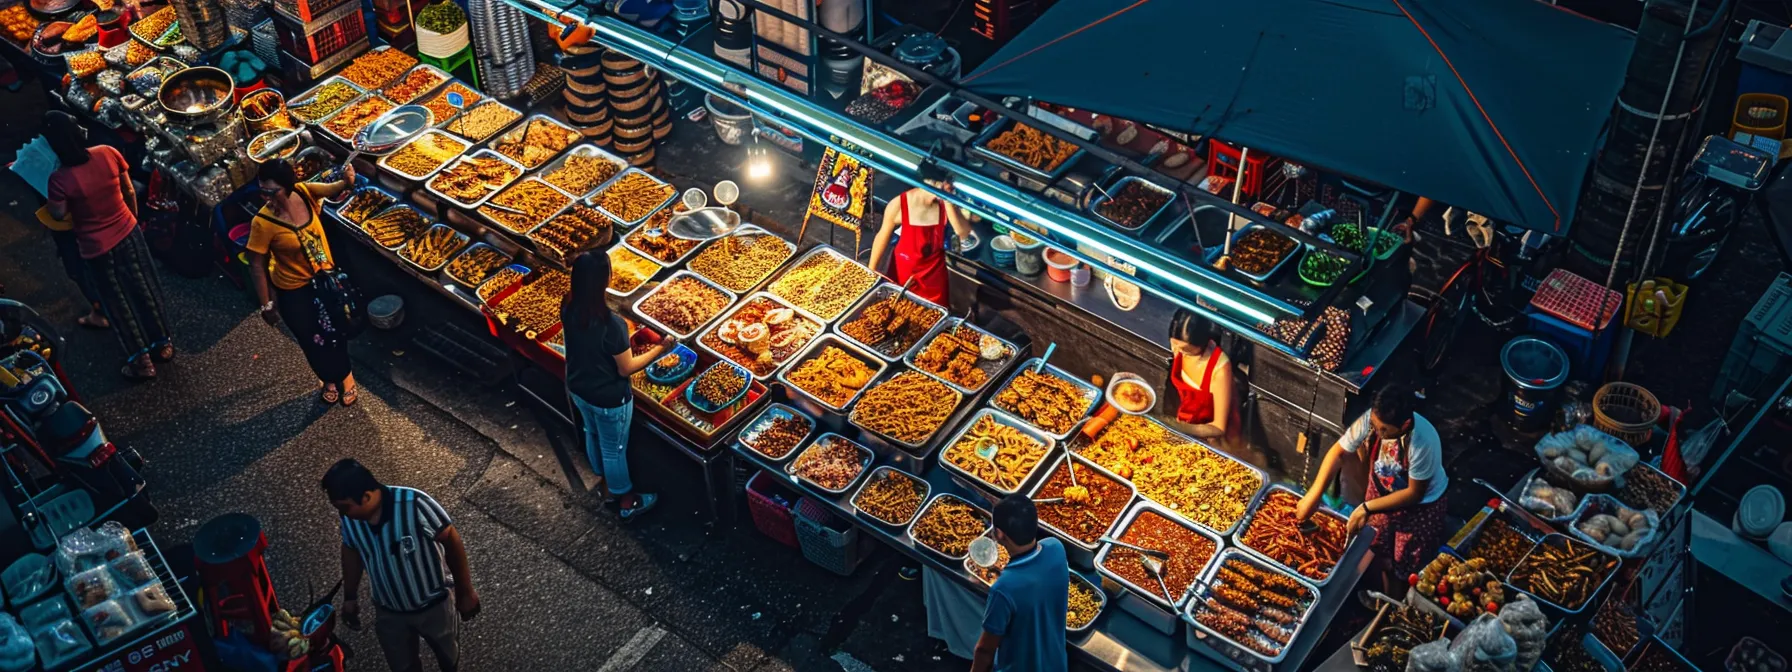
x: 842, y: 193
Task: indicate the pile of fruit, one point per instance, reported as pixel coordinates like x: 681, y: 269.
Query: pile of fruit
x: 1461, y: 587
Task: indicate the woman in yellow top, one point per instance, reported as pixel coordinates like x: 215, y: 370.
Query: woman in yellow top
x: 287, y: 250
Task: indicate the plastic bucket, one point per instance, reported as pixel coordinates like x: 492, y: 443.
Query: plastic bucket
x: 1027, y: 259
x: 386, y: 312
x: 732, y: 123
x: 1001, y: 251
x: 1535, y: 370
x: 1058, y: 265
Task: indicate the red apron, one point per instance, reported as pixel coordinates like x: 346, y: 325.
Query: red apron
x: 1406, y: 538
x: 1196, y: 405
x: 921, y: 254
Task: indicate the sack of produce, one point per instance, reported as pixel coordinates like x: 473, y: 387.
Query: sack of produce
x: 1484, y: 646
x: 1433, y: 656
x: 1591, y: 460
x: 16, y: 650
x: 1615, y: 528
x: 1529, y: 628
x: 1549, y: 502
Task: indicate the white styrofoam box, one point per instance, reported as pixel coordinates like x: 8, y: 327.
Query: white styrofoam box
x: 1659, y: 605
x: 1668, y: 552
x: 1674, y: 629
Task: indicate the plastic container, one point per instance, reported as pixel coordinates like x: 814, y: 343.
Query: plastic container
x: 1535, y: 370
x: 1028, y: 257
x: 386, y: 312
x: 28, y: 578
x: 1059, y: 264
x: 1761, y: 510
x: 1081, y: 275
x: 1626, y: 411
x: 827, y: 540
x: 732, y: 123
x: 1586, y: 350
x: 1001, y: 251
x: 773, y: 508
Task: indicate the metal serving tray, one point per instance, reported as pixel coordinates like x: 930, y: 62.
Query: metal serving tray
x: 387, y: 166
x: 918, y: 449
x: 865, y: 457
x: 377, y: 51
x: 618, y: 178
x: 1194, y: 443
x: 929, y: 505
x: 746, y: 230
x: 337, y: 207
x: 1153, y: 594
x: 636, y: 307
x: 1082, y: 464
x: 1102, y: 197
x: 481, y: 141
x: 961, y: 475
x: 981, y: 148
x: 625, y: 240
x: 749, y: 433
x: 349, y: 142
x: 880, y: 292
x: 807, y: 400
x: 446, y: 78
x: 1592, y: 595
x: 431, y: 187
x: 585, y: 149
x: 1200, y: 636
x: 469, y: 249
x: 1250, y: 514
x: 516, y: 131
x: 500, y: 226
x: 1214, y: 252
x: 306, y: 97
x: 992, y: 368
x: 460, y: 245
x: 483, y: 294
x: 1101, y: 601
x: 401, y: 205
x: 644, y: 282
x: 813, y: 251
x: 1091, y: 392
x: 926, y: 490
x: 820, y: 329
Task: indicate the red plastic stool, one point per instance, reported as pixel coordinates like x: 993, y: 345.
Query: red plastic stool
x: 233, y: 574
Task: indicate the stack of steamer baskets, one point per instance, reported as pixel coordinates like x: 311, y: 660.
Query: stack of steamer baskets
x: 637, y: 108
x: 587, y: 97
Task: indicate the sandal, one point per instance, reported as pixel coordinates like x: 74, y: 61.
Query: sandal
x: 633, y: 506
x: 163, y: 354
x: 330, y: 395
x: 139, y: 373
x: 349, y: 396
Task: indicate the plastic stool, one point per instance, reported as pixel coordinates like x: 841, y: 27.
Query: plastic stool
x: 1586, y: 352
x: 452, y: 65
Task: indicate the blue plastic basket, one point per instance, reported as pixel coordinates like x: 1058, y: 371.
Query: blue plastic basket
x: 687, y: 360
x: 697, y: 402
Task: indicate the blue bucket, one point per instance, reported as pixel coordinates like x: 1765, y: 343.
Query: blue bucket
x: 1535, y: 369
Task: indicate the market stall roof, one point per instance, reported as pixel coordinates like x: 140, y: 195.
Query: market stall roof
x: 1494, y: 105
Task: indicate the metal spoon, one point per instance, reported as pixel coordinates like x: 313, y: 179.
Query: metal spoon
x: 1155, y: 567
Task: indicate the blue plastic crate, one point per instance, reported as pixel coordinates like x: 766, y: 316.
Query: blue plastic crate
x: 826, y: 539
x: 1586, y: 352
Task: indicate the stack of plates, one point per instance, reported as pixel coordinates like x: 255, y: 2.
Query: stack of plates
x: 203, y: 22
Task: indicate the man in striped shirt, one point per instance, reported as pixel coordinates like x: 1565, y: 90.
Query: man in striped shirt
x: 400, y: 538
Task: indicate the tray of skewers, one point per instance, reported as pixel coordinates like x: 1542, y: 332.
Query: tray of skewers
x: 1248, y: 610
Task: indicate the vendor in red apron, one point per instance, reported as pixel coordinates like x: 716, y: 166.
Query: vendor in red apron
x: 919, y: 217
x: 1405, y: 502
x: 1201, y: 373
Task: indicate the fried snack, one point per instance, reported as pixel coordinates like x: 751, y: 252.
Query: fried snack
x: 433, y: 248
x: 482, y: 121
x: 831, y: 463
x: 1404, y: 628
x: 83, y: 30
x: 473, y: 177
x: 395, y: 226
x: 1657, y: 657
x: 908, y: 408
x: 1259, y: 250
x: 1017, y: 454
x: 718, y: 385
x: 438, y: 106
x: 1189, y: 552
x: 832, y: 376
x: 684, y: 303
x: 1253, y: 607
x: 19, y: 24
x: 1647, y: 488
x: 1186, y: 477
x: 893, y: 324
x: 135, y: 54
x: 1464, y: 588
x: 534, y: 197
x: 782, y: 333
x: 358, y: 114
x: 740, y: 261
x: 1032, y: 147
x: 364, y: 203
x: 323, y: 101
x: 425, y: 154
x: 1616, y: 627
x: 86, y: 64
x: 1084, y: 515
x: 1500, y: 545
x: 1045, y: 401
x: 954, y: 355
x: 1084, y: 605
x: 634, y: 196
x: 412, y: 85
x: 775, y: 436
x: 535, y: 307
x: 573, y: 230
x: 374, y: 69
x: 824, y: 284
x: 1133, y: 205
x: 499, y: 281
x: 536, y: 142
x: 891, y: 496
x: 153, y: 26
x: 475, y: 265
x: 949, y: 525
x: 627, y: 268
x: 663, y: 246
x: 1564, y: 571
x: 579, y: 174
x: 1275, y: 533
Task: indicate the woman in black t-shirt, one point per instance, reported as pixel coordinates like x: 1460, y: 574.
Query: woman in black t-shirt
x: 599, y: 362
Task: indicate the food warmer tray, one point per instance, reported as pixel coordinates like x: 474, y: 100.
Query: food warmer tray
x: 586, y: 149
x: 400, y: 205
x: 933, y: 440
x: 518, y: 127
x: 1250, y: 513
x: 635, y: 308
x: 813, y: 251
x: 461, y: 240
x: 749, y: 433
x: 1471, y: 531
x: 1101, y: 197
x: 750, y: 229
x: 926, y: 491
x: 814, y: 405
x: 617, y: 178
x: 484, y: 294
x: 335, y: 207
x: 1593, y: 596
x: 865, y: 458
x: 489, y: 222
x: 1155, y: 595
x: 486, y: 101
x: 424, y: 94
x: 993, y: 368
x: 470, y: 248
x: 980, y: 147
x: 910, y: 533
x: 1101, y: 601
x: 1082, y: 463
x: 349, y: 142
x: 620, y: 227
x: 386, y: 166
x: 733, y: 309
x: 976, y: 484
x: 880, y: 292
x: 474, y: 206
x: 1214, y: 253
x: 1250, y: 502
x: 1225, y: 648
x: 657, y: 267
x: 1091, y: 392
x: 306, y: 97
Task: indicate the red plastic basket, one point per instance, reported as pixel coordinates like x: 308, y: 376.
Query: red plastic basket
x: 1577, y: 300
x: 772, y: 519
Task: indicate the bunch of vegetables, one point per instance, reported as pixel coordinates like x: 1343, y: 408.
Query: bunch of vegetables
x: 442, y: 18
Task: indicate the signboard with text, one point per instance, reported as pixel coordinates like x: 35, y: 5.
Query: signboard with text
x: 169, y: 650
x: 842, y: 194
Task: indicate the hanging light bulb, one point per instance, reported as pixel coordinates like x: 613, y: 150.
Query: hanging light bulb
x: 759, y: 161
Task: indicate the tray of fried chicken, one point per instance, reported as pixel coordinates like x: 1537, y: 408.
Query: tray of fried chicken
x: 1249, y: 606
x: 576, y: 228
x: 535, y: 141
x: 472, y: 179
x: 962, y: 355
x: 523, y: 206
x: 582, y: 170
x: 890, y: 321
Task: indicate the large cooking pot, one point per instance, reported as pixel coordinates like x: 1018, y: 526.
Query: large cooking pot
x: 198, y: 95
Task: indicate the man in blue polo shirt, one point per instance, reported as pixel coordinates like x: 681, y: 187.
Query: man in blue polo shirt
x: 1023, y: 624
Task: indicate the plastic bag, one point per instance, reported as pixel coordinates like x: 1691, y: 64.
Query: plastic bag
x: 1433, y: 656
x: 1593, y: 460
x: 1615, y: 528
x: 92, y: 587
x: 1484, y: 646
x: 1548, y: 501
x: 108, y: 621
x: 152, y: 601
x: 118, y: 538
x: 1529, y: 628
x: 16, y: 649
x: 60, y: 642
x: 31, y: 575
x: 133, y: 569
x: 81, y: 550
x: 45, y: 612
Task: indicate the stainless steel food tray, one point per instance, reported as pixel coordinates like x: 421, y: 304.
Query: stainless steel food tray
x: 1226, y: 647
x: 482, y: 293
x: 446, y: 78
x: 880, y: 292
x: 865, y: 457
x: 519, y: 127
x: 969, y: 479
x: 1592, y: 595
x: 303, y: 98
x: 1102, y: 197
x: 1293, y: 252
x: 387, y: 166
x: 470, y: 248
x: 813, y: 251
x: 1197, y: 444
x: 657, y: 267
x: 337, y: 207
x: 993, y: 368
x: 981, y: 148
x: 401, y: 205
x: 988, y: 520
x: 1101, y: 601
x: 500, y: 226
x: 649, y: 319
x: 447, y: 124
x: 1090, y: 392
x: 431, y: 187
x: 461, y: 245
x: 1250, y: 514
x: 926, y: 491
x: 749, y: 433
x: 804, y: 396
x: 1082, y: 464
x: 585, y: 149
x: 746, y: 230
x: 613, y: 181
x: 914, y: 448
x: 820, y: 329
x: 620, y: 227
x: 1154, y: 595
x: 349, y: 142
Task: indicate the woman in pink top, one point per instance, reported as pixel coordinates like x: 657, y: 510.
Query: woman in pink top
x: 93, y: 191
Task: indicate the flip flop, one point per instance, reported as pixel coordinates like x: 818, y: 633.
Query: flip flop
x: 134, y: 373
x: 350, y: 395
x: 330, y: 395
x: 163, y: 354
x: 90, y: 324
